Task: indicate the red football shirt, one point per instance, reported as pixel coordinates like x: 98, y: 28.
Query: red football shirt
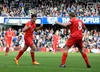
x: 9, y: 34
x: 76, y: 25
x: 55, y: 38
x: 29, y: 32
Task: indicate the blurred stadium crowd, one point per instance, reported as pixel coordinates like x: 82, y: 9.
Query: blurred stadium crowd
x: 47, y: 8
x: 43, y: 39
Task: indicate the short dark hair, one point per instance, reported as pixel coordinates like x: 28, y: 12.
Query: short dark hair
x: 33, y: 15
x: 72, y: 14
x: 8, y: 27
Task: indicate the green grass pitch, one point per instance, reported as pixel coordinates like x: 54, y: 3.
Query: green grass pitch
x: 48, y: 63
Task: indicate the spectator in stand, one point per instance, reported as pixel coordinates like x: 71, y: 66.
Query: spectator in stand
x: 48, y: 8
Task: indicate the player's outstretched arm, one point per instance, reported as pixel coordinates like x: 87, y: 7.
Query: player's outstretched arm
x: 37, y: 28
x: 63, y: 24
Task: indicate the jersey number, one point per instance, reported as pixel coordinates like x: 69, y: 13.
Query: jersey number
x: 80, y: 25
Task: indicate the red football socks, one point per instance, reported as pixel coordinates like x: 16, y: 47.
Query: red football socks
x: 32, y: 56
x: 85, y: 58
x: 64, y: 56
x: 7, y: 50
x: 19, y: 54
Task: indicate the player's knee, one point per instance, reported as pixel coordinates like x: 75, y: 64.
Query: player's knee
x: 8, y: 45
x: 24, y: 49
x: 66, y: 48
x: 33, y: 48
x: 80, y: 50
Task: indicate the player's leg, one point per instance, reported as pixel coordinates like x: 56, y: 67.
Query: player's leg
x: 64, y: 56
x: 20, y: 54
x: 8, y: 43
x: 7, y: 50
x: 80, y: 46
x: 69, y: 44
x: 33, y: 47
x: 54, y: 48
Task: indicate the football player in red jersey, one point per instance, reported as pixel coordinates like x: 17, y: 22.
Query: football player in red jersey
x: 55, y: 41
x: 75, y: 26
x: 28, y: 38
x: 8, y: 39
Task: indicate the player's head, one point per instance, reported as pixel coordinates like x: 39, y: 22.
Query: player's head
x: 33, y: 17
x: 57, y: 32
x: 72, y: 14
x: 9, y: 29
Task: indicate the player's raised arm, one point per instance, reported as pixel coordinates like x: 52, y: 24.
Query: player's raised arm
x: 37, y: 28
x: 71, y: 15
